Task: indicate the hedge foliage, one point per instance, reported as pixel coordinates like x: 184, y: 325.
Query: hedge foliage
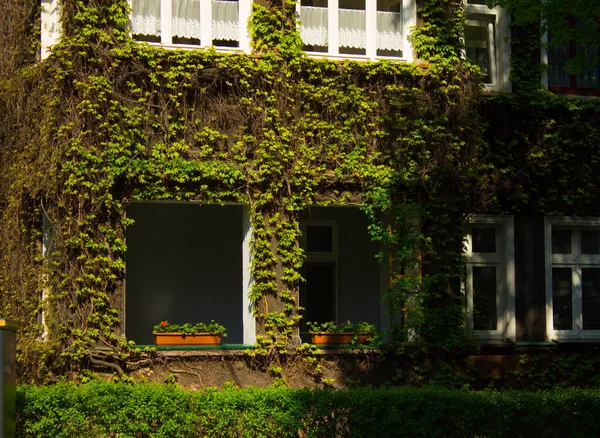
x: 143, y: 410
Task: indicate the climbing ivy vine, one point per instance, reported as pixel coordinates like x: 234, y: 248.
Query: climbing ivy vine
x: 105, y: 121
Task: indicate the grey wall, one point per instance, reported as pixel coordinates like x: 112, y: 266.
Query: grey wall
x: 184, y: 264
x: 359, y: 273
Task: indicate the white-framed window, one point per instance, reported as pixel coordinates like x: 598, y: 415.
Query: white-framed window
x: 357, y: 28
x: 192, y: 23
x: 485, y: 35
x: 490, y: 278
x: 318, y: 293
x: 555, y: 57
x: 50, y: 25
x: 572, y: 247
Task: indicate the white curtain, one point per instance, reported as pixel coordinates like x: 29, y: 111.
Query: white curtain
x: 389, y: 30
x: 186, y: 18
x: 353, y: 28
x: 145, y: 17
x: 313, y: 30
x: 225, y: 20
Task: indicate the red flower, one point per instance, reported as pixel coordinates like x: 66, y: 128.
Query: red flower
x: 163, y: 323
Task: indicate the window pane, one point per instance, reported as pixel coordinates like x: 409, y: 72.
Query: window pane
x: 185, y: 23
x: 483, y: 239
x: 561, y: 241
x: 558, y: 55
x: 590, y: 241
x: 562, y: 301
x: 225, y: 23
x: 484, y: 298
x: 591, y: 298
x: 145, y: 20
x: 317, y: 293
x: 319, y: 238
x: 314, y: 25
x: 353, y: 27
x: 478, y: 46
x: 591, y: 53
x: 389, y: 28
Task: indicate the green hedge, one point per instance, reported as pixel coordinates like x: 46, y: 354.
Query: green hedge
x: 145, y: 410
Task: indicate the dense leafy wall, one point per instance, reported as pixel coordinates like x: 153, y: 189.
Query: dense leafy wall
x: 105, y: 121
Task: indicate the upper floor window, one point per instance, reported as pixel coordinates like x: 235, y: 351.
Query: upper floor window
x: 490, y: 279
x: 220, y: 23
x: 485, y: 43
x: 573, y: 278
x: 357, y: 28
x: 560, y: 80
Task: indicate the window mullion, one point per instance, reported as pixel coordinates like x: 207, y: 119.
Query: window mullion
x: 469, y: 280
x: 166, y: 34
x: 206, y: 22
x: 371, y: 28
x: 245, y: 12
x: 577, y: 299
x: 333, y: 24
x: 492, y: 52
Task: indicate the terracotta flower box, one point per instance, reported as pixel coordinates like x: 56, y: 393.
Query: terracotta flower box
x: 166, y: 334
x: 339, y: 338
x: 173, y: 339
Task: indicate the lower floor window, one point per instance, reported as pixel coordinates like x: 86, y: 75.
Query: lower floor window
x: 573, y: 277
x: 489, y: 285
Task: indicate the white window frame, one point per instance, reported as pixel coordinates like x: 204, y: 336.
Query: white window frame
x: 498, y: 31
x: 166, y: 37
x: 409, y: 21
x: 50, y: 26
x: 577, y: 262
x: 503, y: 260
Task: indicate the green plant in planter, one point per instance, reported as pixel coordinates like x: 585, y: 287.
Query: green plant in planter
x: 358, y: 333
x: 362, y: 327
x: 190, y: 329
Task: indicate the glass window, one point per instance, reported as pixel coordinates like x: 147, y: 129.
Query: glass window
x: 573, y: 283
x: 489, y: 283
x: 584, y: 82
x: 561, y: 241
x: 590, y: 241
x: 480, y: 50
x: 484, y: 298
x: 354, y: 27
x: 192, y: 22
x: 483, y: 239
x: 562, y: 301
x: 314, y: 27
x: 319, y: 238
x: 590, y: 285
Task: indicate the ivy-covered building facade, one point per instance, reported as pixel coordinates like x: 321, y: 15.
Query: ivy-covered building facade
x: 422, y: 166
